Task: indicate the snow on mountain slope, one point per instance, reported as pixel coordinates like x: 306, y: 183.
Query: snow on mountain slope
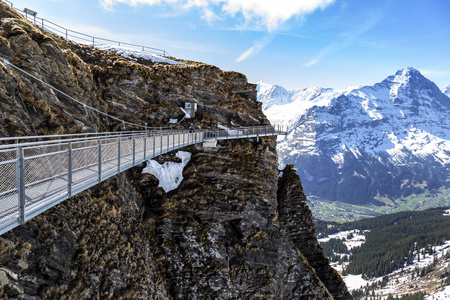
x: 446, y: 90
x: 272, y: 95
x: 358, y: 143
x: 282, y: 106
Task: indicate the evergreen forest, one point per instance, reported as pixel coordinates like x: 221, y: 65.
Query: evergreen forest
x: 392, y: 241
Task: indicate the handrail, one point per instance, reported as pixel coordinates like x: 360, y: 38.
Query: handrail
x: 36, y: 176
x: 69, y: 34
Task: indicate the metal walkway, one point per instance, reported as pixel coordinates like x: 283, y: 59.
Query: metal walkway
x: 35, y: 176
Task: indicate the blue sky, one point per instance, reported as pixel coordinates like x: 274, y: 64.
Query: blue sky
x: 293, y: 43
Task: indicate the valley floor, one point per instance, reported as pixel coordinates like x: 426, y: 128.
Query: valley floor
x: 341, y: 212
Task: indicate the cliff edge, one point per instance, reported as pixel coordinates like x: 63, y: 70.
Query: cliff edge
x: 219, y: 235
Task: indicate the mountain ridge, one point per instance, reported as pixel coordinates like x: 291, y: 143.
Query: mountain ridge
x: 353, y: 145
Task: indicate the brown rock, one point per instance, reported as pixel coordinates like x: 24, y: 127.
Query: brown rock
x: 217, y: 236
x: 297, y: 219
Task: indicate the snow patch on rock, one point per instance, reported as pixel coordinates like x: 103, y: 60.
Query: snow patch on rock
x: 231, y: 132
x: 169, y: 174
x: 135, y: 54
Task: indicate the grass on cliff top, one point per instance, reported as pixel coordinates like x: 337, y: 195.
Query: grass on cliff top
x: 343, y: 212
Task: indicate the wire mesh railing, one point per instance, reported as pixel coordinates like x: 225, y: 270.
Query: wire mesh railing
x: 79, y: 37
x: 37, y: 175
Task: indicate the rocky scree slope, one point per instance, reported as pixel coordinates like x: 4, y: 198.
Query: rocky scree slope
x: 387, y: 140
x: 217, y: 236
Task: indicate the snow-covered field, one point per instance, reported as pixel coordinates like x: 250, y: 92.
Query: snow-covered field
x: 440, y: 294
x: 355, y: 282
x: 356, y: 241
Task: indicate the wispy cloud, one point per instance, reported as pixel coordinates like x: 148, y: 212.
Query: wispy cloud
x: 209, y: 16
x: 269, y: 14
x: 345, y: 40
x: 255, y: 48
x: 333, y: 48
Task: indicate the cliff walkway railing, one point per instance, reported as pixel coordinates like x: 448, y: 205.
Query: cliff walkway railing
x: 35, y: 176
x: 79, y: 37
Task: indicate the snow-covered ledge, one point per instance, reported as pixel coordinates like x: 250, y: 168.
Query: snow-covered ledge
x: 169, y: 174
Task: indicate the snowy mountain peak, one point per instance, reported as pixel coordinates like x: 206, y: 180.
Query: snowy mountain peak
x: 408, y: 71
x: 341, y: 141
x: 409, y: 87
x: 272, y: 94
x: 404, y: 76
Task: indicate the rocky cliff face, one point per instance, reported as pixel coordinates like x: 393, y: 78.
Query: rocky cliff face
x: 217, y: 236
x: 296, y: 217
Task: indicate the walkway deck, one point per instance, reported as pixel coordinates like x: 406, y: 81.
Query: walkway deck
x: 36, y: 176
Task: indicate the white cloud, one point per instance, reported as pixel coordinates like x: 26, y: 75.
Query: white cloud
x: 272, y: 13
x: 255, y: 48
x: 209, y: 16
x: 267, y: 13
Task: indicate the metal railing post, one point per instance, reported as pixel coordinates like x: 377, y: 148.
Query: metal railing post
x: 161, y: 142
x: 69, y: 171
x: 168, y: 143
x: 59, y: 159
x: 21, y: 185
x: 173, y: 141
x: 145, y: 147
x: 119, y: 150
x: 86, y: 153
x: 134, y: 151
x: 99, y: 161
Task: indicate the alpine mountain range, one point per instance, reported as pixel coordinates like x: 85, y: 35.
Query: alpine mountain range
x: 389, y: 140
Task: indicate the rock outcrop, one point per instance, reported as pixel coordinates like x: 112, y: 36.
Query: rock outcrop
x: 217, y: 236
x: 296, y: 217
